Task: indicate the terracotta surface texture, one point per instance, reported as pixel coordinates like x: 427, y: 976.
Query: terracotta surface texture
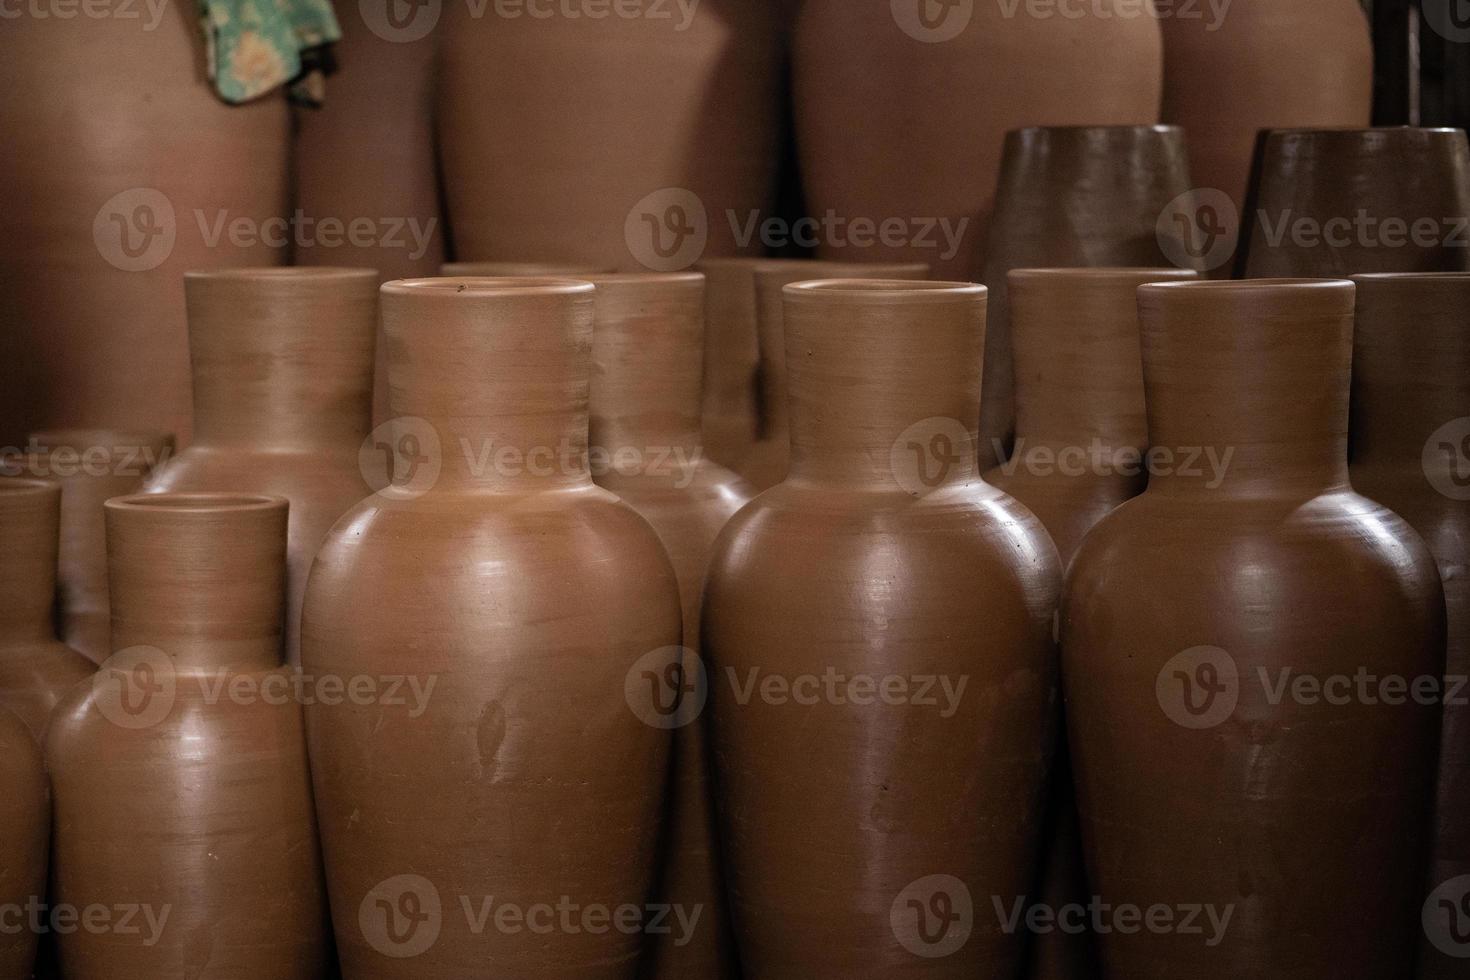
x: 25, y: 831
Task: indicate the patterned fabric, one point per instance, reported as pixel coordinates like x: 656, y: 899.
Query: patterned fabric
x: 256, y: 46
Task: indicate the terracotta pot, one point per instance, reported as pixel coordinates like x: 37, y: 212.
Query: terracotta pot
x: 25, y: 828
x: 1212, y: 772
x: 180, y: 773
x: 1254, y: 66
x: 766, y: 462
x: 282, y: 394
x: 1074, y: 196
x: 1342, y: 202
x: 118, y: 172
x: 882, y: 676
x: 1411, y: 414
x: 647, y: 359
x: 536, y: 599
x: 36, y: 670
x: 504, y: 270
x: 685, y: 146
x: 897, y: 115
x: 730, y: 417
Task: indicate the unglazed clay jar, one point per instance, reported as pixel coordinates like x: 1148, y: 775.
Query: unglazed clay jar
x: 899, y: 119
x: 25, y: 828
x: 729, y: 413
x: 283, y: 363
x: 36, y: 670
x: 1075, y: 196
x: 119, y: 170
x: 514, y: 771
x: 503, y: 270
x: 639, y: 137
x: 878, y: 637
x: 179, y: 775
x: 1343, y: 202
x: 1410, y: 420
x: 647, y: 356
x: 766, y: 462
x: 1239, y: 646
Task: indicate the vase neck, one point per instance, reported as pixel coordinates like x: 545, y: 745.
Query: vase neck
x: 30, y: 519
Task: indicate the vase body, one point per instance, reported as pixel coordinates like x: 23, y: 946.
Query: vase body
x: 1213, y: 632
x: 522, y: 97
x: 179, y: 775
x: 864, y: 835
x: 1072, y: 196
x: 25, y: 830
x: 766, y: 461
x: 730, y: 418
x: 896, y: 118
x: 647, y: 363
x: 283, y: 362
x: 120, y: 171
x: 1410, y: 405
x: 1344, y: 202
x: 537, y: 595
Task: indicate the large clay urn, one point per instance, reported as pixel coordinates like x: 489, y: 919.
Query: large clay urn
x: 640, y: 136
x: 283, y: 362
x: 1410, y: 422
x: 1080, y: 196
x: 900, y: 113
x: 766, y: 462
x: 1342, y: 202
x: 179, y: 774
x: 1246, y: 651
x: 514, y: 772
x: 25, y: 829
x: 119, y: 170
x: 36, y: 669
x: 647, y: 360
x: 878, y: 637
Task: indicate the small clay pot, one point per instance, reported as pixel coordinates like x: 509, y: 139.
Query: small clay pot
x: 25, y: 829
x: 1338, y: 202
x: 505, y: 270
x: 179, y: 774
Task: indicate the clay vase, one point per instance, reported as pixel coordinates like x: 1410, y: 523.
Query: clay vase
x: 36, y: 669
x: 179, y: 775
x: 119, y: 171
x: 766, y: 462
x: 1074, y: 196
x: 25, y: 829
x: 647, y: 359
x: 283, y: 362
x: 897, y: 117
x: 1343, y: 202
x: 515, y: 772
x: 729, y: 414
x: 504, y: 270
x: 878, y: 635
x: 1229, y: 761
x: 686, y: 144
x: 1410, y: 417
x: 1254, y: 66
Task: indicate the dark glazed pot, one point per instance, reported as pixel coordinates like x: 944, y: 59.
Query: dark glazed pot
x: 283, y: 363
x: 868, y: 820
x: 1073, y: 196
x: 1213, y: 632
x: 180, y: 774
x: 1339, y: 202
x: 521, y: 776
x: 25, y: 829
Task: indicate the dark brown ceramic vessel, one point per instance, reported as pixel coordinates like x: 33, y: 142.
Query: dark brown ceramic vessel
x: 1214, y: 628
x: 180, y: 774
x: 868, y: 820
x: 25, y: 829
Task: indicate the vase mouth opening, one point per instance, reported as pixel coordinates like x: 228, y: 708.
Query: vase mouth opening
x: 488, y: 287
x: 871, y: 292
x: 1142, y: 275
x: 1136, y: 128
x: 26, y: 486
x: 197, y: 504
x: 1242, y: 287
x: 643, y: 278
x: 529, y: 269
x: 288, y: 273
x: 829, y: 269
x: 1358, y: 130
x: 1411, y: 277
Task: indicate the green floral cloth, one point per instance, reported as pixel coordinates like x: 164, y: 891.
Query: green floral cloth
x: 256, y: 46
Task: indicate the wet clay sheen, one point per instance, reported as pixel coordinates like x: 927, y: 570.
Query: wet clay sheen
x: 25, y: 829
x: 1212, y: 631
x: 868, y: 820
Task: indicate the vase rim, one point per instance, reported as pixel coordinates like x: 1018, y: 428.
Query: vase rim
x: 1411, y: 277
x: 489, y: 287
x: 529, y: 268
x: 1102, y: 273
x: 288, y: 273
x: 1251, y: 285
x: 887, y: 292
x: 197, y: 503
x: 1123, y: 128
x: 773, y: 266
x: 25, y: 486
x: 1328, y: 131
x: 640, y: 278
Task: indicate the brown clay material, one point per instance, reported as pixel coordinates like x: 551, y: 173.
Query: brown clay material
x: 180, y: 774
x: 731, y: 356
x: 1343, y: 202
x: 1213, y: 632
x: 25, y: 829
x: 869, y: 818
x: 522, y: 777
x: 647, y: 361
x: 505, y: 270
x: 1410, y: 421
x: 1073, y: 196
x: 282, y: 394
x: 766, y: 462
